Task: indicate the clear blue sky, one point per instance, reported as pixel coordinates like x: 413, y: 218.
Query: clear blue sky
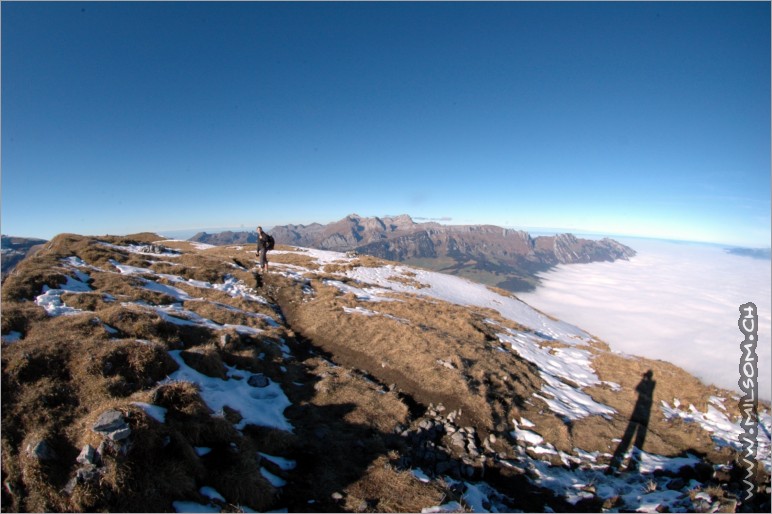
x: 647, y: 119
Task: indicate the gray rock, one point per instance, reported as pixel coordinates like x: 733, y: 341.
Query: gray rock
x: 120, y: 435
x: 87, y: 473
x: 458, y: 439
x: 112, y: 425
x: 41, y: 451
x: 258, y: 380
x: 70, y: 487
x: 87, y: 455
x: 109, y: 421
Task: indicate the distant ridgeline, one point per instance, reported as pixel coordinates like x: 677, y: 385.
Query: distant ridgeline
x: 148, y: 375
x: 14, y: 249
x: 756, y: 253
x: 488, y: 254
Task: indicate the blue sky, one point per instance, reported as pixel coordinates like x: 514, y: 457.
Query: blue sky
x: 646, y: 119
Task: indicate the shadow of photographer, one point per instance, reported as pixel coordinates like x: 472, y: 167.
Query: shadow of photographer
x: 637, y: 427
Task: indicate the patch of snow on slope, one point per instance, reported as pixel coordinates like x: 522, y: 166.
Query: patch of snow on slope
x: 723, y: 431
x: 364, y: 295
x: 141, y: 249
x: 261, y: 406
x: 461, y: 291
x: 131, y: 270
x: 283, y: 463
x: 51, y: 299
x: 156, y: 412
x: 557, y: 365
x: 211, y: 493
x: 235, y: 288
x: 176, y: 293
x: 632, y: 488
x: 323, y: 257
x: 178, y: 315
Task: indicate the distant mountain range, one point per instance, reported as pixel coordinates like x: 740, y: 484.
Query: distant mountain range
x: 489, y: 254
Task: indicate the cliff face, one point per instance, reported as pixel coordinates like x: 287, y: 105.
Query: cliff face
x: 160, y: 375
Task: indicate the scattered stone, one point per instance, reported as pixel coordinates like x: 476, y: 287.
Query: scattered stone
x: 103, y: 448
x: 41, y: 451
x: 337, y: 496
x: 113, y: 425
x: 88, y: 473
x: 258, y: 380
x: 446, y: 364
x: 69, y: 488
x: 458, y: 439
x: 87, y: 455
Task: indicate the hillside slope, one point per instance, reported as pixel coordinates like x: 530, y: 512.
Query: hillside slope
x: 153, y: 375
x: 14, y: 249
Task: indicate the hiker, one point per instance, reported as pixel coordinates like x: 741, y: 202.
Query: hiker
x: 264, y: 243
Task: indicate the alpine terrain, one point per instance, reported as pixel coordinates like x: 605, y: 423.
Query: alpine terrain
x: 492, y: 255
x: 14, y: 249
x: 147, y: 374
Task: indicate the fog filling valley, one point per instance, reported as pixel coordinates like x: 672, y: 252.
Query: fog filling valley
x: 677, y: 302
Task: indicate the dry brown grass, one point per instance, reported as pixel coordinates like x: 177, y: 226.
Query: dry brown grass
x: 67, y: 370
x: 407, y: 353
x: 373, y: 406
x: 385, y: 489
x: 205, y: 360
x: 295, y: 258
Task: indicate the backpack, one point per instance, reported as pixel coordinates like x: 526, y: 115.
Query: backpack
x: 269, y: 242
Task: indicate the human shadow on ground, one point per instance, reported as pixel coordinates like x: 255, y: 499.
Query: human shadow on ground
x: 637, y: 427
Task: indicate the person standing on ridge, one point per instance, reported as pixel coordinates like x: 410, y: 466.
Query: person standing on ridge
x: 264, y: 243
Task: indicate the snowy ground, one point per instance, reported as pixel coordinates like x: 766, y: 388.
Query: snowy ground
x: 265, y: 405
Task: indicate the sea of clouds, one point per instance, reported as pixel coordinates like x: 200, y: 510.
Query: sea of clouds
x: 673, y: 301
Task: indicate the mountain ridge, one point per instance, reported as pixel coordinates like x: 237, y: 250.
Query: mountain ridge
x: 148, y: 373
x: 506, y: 258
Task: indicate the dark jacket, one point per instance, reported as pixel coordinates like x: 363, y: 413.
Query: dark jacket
x: 262, y: 242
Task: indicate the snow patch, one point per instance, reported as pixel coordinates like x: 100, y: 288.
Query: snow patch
x: 262, y: 406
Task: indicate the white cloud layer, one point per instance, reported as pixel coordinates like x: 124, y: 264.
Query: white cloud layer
x: 674, y: 302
